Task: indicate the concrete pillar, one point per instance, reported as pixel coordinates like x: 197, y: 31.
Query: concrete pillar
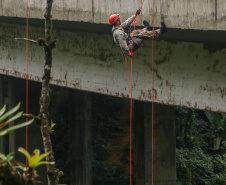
x: 139, y: 143
x: 164, y: 144
x: 2, y: 148
x: 80, y: 147
x: 12, y: 104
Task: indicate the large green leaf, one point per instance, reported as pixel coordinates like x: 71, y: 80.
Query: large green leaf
x: 9, y: 112
x: 214, y: 118
x: 10, y: 129
x: 2, y: 110
x: 11, y: 119
x: 23, y: 151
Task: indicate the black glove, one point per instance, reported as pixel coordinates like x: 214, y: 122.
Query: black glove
x: 138, y: 12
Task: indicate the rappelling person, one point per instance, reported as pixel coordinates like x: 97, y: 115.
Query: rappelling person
x: 124, y: 40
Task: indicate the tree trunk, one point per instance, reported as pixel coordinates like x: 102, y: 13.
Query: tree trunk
x: 52, y: 172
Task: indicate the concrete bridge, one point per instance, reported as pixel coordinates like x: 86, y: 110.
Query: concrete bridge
x: 190, y: 65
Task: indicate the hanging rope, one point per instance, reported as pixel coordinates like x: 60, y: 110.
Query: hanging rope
x: 26, y: 76
x: 152, y: 94
x: 131, y: 98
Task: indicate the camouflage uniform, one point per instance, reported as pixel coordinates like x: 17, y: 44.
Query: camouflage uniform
x: 123, y: 40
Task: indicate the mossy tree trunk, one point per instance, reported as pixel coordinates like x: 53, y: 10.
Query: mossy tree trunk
x: 49, y: 45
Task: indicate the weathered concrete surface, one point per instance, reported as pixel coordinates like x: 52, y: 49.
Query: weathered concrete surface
x: 186, y: 74
x: 81, y: 140
x: 164, y: 144
x: 185, y: 14
x: 164, y: 154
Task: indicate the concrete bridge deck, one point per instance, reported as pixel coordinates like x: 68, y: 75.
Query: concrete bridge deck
x: 190, y: 66
x: 183, y: 14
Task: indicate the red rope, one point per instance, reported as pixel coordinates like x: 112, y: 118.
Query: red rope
x: 26, y: 76
x: 153, y: 95
x: 131, y: 101
x: 131, y: 116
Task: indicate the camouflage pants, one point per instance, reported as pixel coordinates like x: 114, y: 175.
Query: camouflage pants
x: 142, y: 32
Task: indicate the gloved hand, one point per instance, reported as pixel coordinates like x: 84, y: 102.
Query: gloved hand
x: 131, y: 55
x: 138, y: 12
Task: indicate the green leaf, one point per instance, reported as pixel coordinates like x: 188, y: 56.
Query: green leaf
x: 217, y: 142
x: 214, y: 118
x: 43, y: 156
x: 52, y: 125
x: 23, y: 151
x: 10, y: 129
x: 15, y: 117
x: 11, y: 119
x: 2, y: 110
x: 9, y: 157
x: 9, y: 112
x: 45, y: 162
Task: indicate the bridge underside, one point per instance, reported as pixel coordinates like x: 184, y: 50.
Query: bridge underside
x: 190, y: 65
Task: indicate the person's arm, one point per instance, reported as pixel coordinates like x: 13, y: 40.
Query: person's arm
x: 124, y: 46
x: 130, y: 20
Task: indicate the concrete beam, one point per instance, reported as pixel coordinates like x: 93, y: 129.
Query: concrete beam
x: 183, y: 14
x: 186, y: 74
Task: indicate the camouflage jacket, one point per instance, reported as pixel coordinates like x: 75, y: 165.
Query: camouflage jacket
x: 120, y: 37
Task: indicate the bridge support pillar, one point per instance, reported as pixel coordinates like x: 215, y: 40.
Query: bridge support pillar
x: 2, y: 148
x: 164, y: 144
x: 81, y: 145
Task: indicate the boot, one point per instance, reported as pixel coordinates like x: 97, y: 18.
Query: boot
x: 163, y: 28
x: 146, y: 24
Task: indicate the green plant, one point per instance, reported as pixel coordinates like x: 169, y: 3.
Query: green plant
x: 34, y: 160
x: 8, y: 157
x: 4, y: 116
x: 219, y: 123
x: 196, y: 167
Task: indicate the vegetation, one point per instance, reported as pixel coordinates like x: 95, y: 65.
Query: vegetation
x: 4, y: 116
x: 8, y: 166
x: 199, y: 161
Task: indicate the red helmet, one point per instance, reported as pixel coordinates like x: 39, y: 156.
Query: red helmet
x: 113, y: 18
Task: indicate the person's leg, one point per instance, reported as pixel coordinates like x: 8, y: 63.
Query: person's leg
x: 144, y: 32
x: 138, y: 32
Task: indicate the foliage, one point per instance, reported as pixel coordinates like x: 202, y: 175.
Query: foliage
x: 7, y: 158
x: 4, y: 115
x: 34, y: 160
x: 219, y: 123
x: 195, y: 167
x: 197, y: 161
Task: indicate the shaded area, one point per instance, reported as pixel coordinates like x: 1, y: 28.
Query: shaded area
x: 173, y: 34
